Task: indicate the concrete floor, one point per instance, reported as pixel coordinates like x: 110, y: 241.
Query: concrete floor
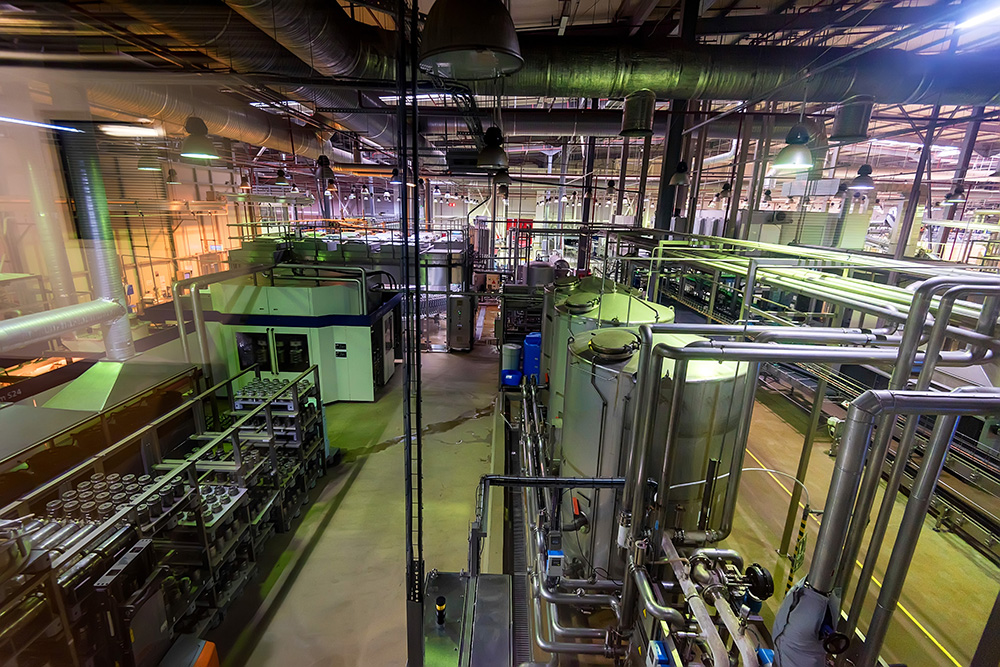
x: 335, y: 595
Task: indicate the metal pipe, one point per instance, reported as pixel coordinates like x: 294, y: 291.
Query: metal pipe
x: 737, y: 631
x: 909, y: 533
x: 903, y: 368
x: 905, y: 447
x: 673, y: 426
x: 86, y: 187
x: 644, y: 586
x: 724, y: 555
x: 720, y: 654
x: 549, y: 646
x: 21, y: 331
x: 193, y: 283
x: 736, y: 465
x: 851, y: 460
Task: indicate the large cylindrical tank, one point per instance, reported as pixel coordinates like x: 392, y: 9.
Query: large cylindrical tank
x: 597, y: 423
x: 556, y: 292
x: 584, y: 310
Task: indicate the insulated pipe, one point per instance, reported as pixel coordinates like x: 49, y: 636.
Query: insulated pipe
x: 905, y: 447
x: 223, y: 35
x: 86, y: 186
x: 909, y: 533
x: 28, y: 329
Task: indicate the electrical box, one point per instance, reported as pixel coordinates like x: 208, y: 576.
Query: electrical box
x: 461, y: 321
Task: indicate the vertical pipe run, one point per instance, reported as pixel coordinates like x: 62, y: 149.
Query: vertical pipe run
x: 800, y: 472
x: 909, y: 533
x: 640, y: 204
x: 86, y: 186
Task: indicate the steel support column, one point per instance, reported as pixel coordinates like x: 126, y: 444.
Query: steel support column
x: 913, y: 200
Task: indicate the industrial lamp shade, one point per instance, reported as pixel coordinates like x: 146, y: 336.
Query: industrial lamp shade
x: 244, y: 184
x: 149, y: 163
x: 469, y: 41
x: 795, y: 156
x: 172, y: 177
x: 282, y: 178
x: 680, y: 176
x: 493, y: 157
x: 956, y: 197
x: 197, y: 144
x: 394, y: 179
x: 863, y: 181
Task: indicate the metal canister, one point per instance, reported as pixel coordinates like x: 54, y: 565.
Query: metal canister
x: 85, y: 496
x: 128, y: 479
x: 71, y: 508
x: 144, y: 480
x: 97, y: 477
x: 117, y: 487
x: 105, y: 509
x: 143, y: 513
x: 54, y: 508
x: 68, y: 495
x: 166, y: 498
x: 99, y: 487
x: 132, y: 490
x: 57, y: 537
x: 113, y: 478
x: 84, y: 486
x: 102, y: 497
x: 88, y: 510
x: 119, y: 499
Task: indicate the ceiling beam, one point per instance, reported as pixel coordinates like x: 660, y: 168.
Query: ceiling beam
x: 760, y: 23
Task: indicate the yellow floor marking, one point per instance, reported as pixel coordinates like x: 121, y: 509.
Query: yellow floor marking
x: 875, y: 580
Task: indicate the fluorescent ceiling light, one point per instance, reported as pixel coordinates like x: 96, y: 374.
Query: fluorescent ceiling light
x: 137, y: 131
x: 979, y: 19
x: 31, y: 123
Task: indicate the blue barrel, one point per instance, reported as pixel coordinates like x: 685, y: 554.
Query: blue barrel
x: 532, y: 355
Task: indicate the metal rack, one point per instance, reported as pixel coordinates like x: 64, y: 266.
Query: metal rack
x: 168, y: 523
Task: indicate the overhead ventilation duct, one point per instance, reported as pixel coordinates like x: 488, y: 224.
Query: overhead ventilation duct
x: 221, y: 34
x: 38, y: 327
x: 93, y: 223
x: 321, y: 33
x: 850, y: 121
x: 596, y: 122
x: 222, y: 116
x: 637, y: 115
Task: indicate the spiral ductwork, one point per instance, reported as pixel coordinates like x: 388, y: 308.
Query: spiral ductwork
x: 225, y: 36
x: 223, y: 117
x: 28, y: 329
x: 322, y: 34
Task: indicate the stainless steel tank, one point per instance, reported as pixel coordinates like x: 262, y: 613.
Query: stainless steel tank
x: 597, y: 422
x: 584, y: 310
x: 556, y: 292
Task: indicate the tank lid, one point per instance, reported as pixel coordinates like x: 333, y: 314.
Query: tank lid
x: 566, y: 281
x: 614, y: 344
x: 581, y: 302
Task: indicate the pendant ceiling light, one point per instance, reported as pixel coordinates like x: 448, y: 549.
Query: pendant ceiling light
x: 395, y: 179
x: 469, y: 41
x: 172, y: 177
x: 680, y: 176
x: 493, y: 157
x: 796, y: 156
x: 282, y: 178
x: 244, y: 184
x: 956, y: 197
x: 197, y: 145
x: 149, y: 163
x: 323, y: 171
x: 863, y: 181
